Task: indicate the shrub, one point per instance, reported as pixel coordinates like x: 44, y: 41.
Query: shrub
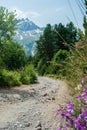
x: 28, y: 75
x: 9, y: 78
x: 76, y: 66
x: 13, y: 56
x: 14, y: 78
x: 43, y: 70
x: 41, y: 67
x: 57, y: 65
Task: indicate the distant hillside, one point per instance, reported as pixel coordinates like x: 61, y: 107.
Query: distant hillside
x: 27, y: 34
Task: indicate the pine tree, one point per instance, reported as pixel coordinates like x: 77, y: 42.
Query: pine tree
x: 45, y: 47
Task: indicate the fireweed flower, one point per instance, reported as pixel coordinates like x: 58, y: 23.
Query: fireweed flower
x: 83, y: 96
x: 68, y: 111
x: 81, y: 121
x: 58, y: 111
x: 60, y: 128
x: 83, y: 80
x: 75, y: 116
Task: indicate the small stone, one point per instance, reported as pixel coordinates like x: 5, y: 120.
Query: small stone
x: 46, y: 128
x: 38, y: 124
x: 4, y: 128
x: 48, y: 98
x: 45, y: 94
x: 37, y: 113
x: 27, y: 124
x: 20, y: 126
x: 39, y: 128
x: 53, y: 98
x: 23, y: 115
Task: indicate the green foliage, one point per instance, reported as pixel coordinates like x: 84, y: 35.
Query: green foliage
x: 85, y: 25
x: 40, y: 64
x: 54, y: 39
x: 1, y: 63
x: 52, y: 47
x: 14, y: 78
x: 60, y: 56
x: 28, y: 75
x: 80, y: 34
x: 64, y: 36
x: 85, y: 18
x: 9, y: 78
x: 58, y: 63
x: 41, y: 67
x: 76, y: 66
x: 8, y: 25
x: 13, y: 56
x: 45, y: 44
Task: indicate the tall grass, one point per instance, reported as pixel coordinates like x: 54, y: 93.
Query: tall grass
x: 76, y: 66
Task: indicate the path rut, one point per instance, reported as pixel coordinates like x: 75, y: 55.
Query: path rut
x: 32, y: 107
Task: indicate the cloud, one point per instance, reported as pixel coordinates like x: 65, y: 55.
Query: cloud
x: 34, y: 14
x: 59, y: 9
x: 27, y: 14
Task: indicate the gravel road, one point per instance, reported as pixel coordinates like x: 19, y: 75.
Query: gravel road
x: 32, y: 107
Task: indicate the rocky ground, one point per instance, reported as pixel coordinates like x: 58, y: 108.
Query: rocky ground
x: 32, y: 107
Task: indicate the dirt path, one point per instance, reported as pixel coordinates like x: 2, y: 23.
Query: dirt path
x: 32, y: 107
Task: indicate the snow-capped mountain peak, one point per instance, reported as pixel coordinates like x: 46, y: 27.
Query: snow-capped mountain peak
x: 27, y: 25
x: 27, y: 33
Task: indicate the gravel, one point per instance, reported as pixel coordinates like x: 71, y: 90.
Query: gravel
x: 32, y: 107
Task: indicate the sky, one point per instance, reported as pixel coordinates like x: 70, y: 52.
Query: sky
x: 42, y: 12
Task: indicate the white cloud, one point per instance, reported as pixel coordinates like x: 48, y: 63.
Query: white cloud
x: 59, y: 9
x: 34, y: 14
x: 27, y: 14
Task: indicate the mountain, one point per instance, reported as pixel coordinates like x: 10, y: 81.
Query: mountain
x: 27, y: 33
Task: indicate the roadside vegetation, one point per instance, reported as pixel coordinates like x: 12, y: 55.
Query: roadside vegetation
x: 62, y: 51
x: 15, y: 68
x: 74, y: 113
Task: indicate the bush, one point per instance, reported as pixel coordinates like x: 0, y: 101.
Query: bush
x: 9, y: 78
x: 76, y: 66
x: 28, y: 75
x: 74, y: 114
x: 14, y: 78
x: 41, y: 67
x: 13, y: 56
x: 43, y: 70
x: 57, y: 65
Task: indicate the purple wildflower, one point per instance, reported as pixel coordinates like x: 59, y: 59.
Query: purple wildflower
x: 75, y: 117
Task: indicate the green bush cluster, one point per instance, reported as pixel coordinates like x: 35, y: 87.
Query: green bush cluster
x: 76, y: 66
x: 28, y: 75
x: 16, y: 78
x: 56, y: 66
x: 58, y: 63
x: 41, y: 67
x: 9, y: 78
x: 13, y: 60
x: 53, y: 46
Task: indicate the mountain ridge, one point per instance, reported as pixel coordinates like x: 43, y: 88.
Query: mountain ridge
x: 27, y: 35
